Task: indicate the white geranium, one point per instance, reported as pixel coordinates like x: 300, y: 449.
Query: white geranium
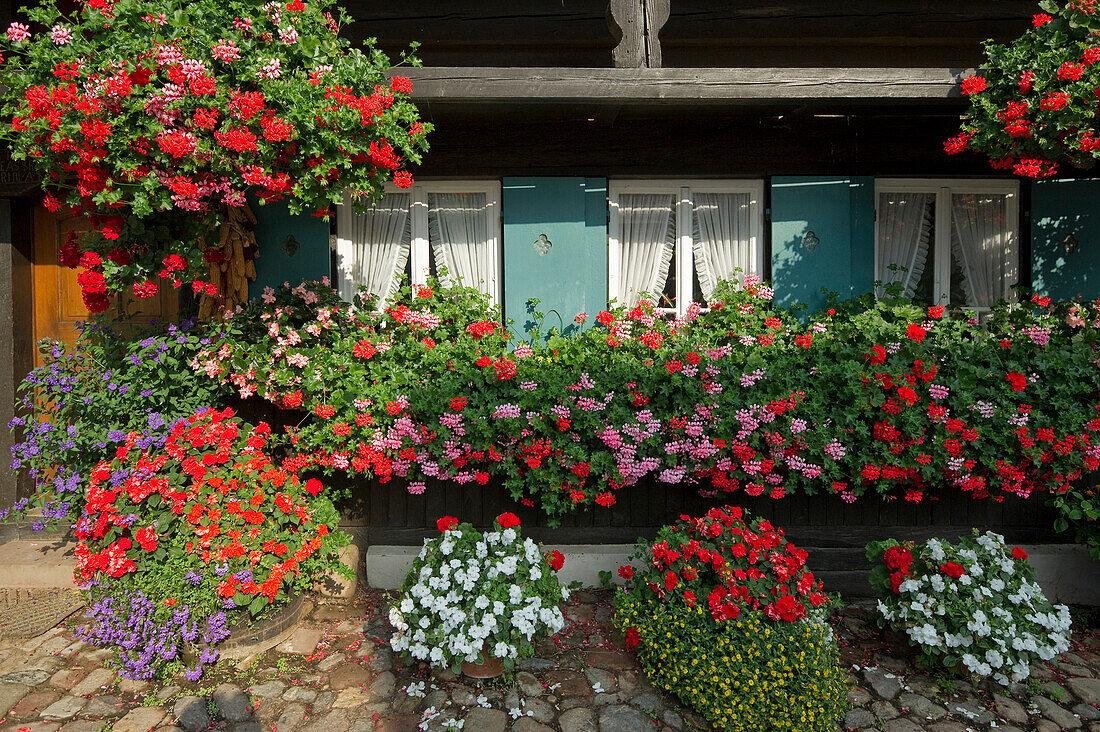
x: 469, y: 594
x: 994, y: 619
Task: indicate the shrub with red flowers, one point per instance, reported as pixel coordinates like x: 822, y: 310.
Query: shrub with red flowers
x: 1033, y: 101
x: 887, y: 396
x: 724, y: 613
x: 973, y: 607
x: 151, y: 117
x: 177, y: 540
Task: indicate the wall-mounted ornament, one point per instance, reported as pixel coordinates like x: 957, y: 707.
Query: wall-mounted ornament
x: 290, y: 245
x: 1070, y: 243
x: 810, y: 241
x: 542, y: 245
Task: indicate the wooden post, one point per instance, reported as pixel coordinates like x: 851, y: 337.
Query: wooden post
x: 626, y: 18
x: 635, y: 24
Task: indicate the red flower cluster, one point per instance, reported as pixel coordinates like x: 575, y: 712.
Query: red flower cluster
x: 212, y: 492
x: 737, y: 565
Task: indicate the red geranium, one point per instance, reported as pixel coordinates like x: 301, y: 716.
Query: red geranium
x: 1019, y: 553
x: 953, y: 570
x: 508, y: 520
x: 555, y: 559
x: 446, y: 523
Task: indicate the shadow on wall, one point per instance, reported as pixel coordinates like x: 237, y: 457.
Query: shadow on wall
x: 1065, y: 239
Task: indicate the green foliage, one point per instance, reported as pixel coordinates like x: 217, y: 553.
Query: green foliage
x: 1033, y: 101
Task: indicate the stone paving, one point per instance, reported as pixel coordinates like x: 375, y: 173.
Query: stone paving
x: 336, y: 673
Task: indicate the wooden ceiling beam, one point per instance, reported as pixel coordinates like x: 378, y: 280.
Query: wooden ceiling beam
x: 561, y: 85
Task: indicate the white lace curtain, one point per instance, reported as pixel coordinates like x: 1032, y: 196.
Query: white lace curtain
x: 648, y: 241
x: 722, y: 238
x: 458, y: 229
x: 979, y: 242
x: 906, y: 223
x: 372, y: 248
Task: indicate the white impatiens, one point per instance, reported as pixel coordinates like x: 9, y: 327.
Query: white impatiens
x: 469, y: 594
x: 975, y: 605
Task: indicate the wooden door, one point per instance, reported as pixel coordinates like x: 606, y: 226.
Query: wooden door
x: 58, y: 306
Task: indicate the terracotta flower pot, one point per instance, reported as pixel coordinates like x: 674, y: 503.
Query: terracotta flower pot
x: 490, y: 668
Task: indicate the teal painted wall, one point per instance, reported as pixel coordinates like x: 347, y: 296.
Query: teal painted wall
x: 1060, y: 208
x: 571, y: 277
x: 840, y: 212
x: 274, y: 223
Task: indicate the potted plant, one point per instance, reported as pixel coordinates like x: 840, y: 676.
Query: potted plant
x: 478, y: 601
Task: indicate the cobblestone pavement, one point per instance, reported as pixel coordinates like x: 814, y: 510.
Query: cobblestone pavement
x: 336, y: 673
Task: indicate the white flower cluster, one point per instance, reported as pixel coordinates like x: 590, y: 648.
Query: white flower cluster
x: 993, y: 619
x: 467, y: 592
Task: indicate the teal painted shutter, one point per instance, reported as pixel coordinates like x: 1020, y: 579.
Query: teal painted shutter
x: 1060, y: 208
x: 276, y: 264
x: 840, y: 213
x: 570, y: 276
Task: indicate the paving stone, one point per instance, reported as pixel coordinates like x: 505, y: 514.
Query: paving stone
x: 672, y: 718
x: 95, y: 681
x: 951, y: 727
x: 132, y: 686
x: 1045, y: 725
x: 303, y: 641
x: 383, y: 685
x: 232, y: 703
x: 300, y: 693
x: 338, y: 720
x: 858, y: 719
x: 351, y: 698
x: 884, y: 683
x: 291, y: 717
x: 529, y: 685
x: 36, y: 727
x: 537, y: 665
x: 463, y: 696
x: 330, y: 662
x: 614, y: 660
x: 568, y: 682
x: 30, y: 677
x: 622, y: 718
x: 901, y: 725
x: 539, y: 709
x: 578, y: 720
x: 920, y: 707
x: 349, y: 675
x: 250, y: 725
x: 1009, y: 710
x: 10, y: 694
x: 1056, y: 691
x: 971, y: 712
x: 648, y: 702
x: 47, y: 663
x: 1087, y: 711
x: 407, y: 723
x: 1055, y: 713
x: 191, y: 713
x: 140, y: 719
x: 168, y: 692
x: 64, y: 708
x: 32, y: 704
x: 83, y: 725
x: 883, y: 710
x: 858, y: 697
x: 104, y: 707
x: 923, y: 685
x: 1087, y: 690
x: 268, y: 690
x: 526, y: 724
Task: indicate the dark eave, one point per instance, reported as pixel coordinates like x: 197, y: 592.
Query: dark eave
x: 658, y: 86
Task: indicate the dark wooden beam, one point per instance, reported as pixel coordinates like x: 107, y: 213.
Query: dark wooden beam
x: 692, y: 86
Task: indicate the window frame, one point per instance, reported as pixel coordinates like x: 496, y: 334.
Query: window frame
x: 943, y: 189
x: 419, y: 243
x: 683, y: 258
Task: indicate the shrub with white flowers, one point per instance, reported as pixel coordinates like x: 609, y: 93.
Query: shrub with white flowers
x: 470, y: 593
x: 973, y: 604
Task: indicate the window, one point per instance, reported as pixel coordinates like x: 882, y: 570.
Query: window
x: 419, y: 231
x: 676, y: 239
x: 954, y: 242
